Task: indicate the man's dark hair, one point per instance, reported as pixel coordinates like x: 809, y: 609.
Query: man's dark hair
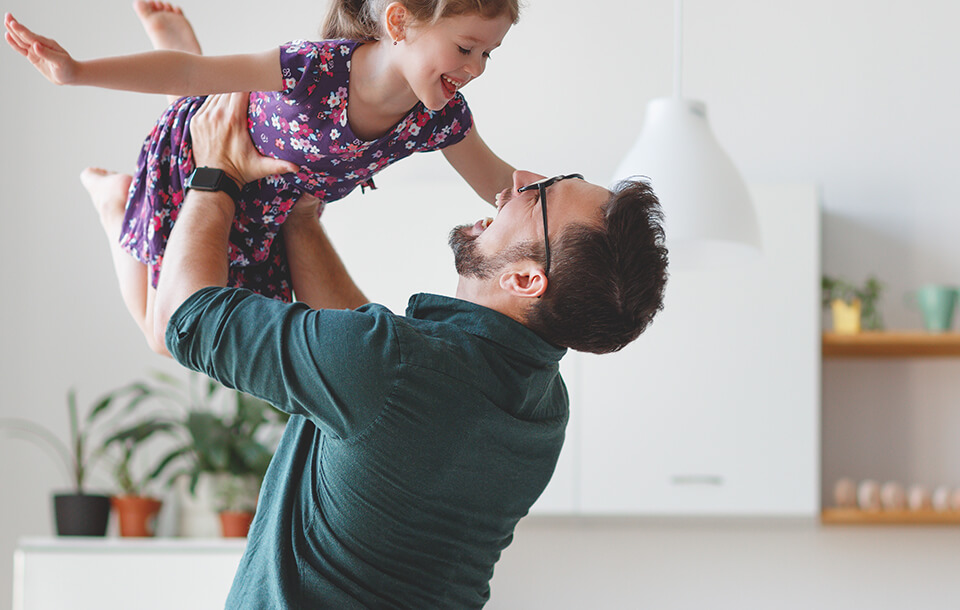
x: 607, y: 280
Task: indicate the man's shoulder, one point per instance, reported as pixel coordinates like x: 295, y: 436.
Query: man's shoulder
x: 449, y: 347
x: 410, y: 329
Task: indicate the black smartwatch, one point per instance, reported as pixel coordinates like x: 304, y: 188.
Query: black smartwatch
x: 211, y: 179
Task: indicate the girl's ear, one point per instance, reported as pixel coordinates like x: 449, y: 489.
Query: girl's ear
x: 525, y: 280
x: 396, y: 16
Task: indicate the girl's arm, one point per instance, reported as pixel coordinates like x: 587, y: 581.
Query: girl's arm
x: 487, y: 173
x: 320, y: 279
x: 169, y: 72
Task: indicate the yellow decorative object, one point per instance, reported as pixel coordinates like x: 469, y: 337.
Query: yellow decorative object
x: 846, y: 316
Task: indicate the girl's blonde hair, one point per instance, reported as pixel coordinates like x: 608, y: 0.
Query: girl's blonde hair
x: 361, y: 19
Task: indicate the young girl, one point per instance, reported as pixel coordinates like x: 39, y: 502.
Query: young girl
x: 385, y: 84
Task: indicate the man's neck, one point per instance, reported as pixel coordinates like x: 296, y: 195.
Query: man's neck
x: 483, y: 293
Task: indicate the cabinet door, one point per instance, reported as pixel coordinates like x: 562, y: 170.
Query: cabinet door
x: 715, y: 409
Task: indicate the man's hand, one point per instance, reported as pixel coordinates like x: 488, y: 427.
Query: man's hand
x: 44, y: 53
x: 196, y: 254
x: 221, y: 140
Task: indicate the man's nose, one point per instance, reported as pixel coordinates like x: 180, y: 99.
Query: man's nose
x: 523, y: 178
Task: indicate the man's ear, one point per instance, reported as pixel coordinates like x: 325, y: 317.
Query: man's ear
x: 525, y: 280
x: 396, y: 16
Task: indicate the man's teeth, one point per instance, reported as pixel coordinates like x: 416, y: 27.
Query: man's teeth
x: 485, y: 222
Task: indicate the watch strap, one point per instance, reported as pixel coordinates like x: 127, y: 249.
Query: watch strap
x: 213, y: 179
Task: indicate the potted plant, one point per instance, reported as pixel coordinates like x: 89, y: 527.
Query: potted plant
x: 853, y: 307
x: 78, y: 513
x: 136, y: 509
x: 228, y: 442
x: 233, y: 449
x: 235, y: 498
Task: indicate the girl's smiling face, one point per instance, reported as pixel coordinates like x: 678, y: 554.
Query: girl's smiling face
x: 439, y: 59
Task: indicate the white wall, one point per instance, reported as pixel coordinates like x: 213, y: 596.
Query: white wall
x: 859, y: 97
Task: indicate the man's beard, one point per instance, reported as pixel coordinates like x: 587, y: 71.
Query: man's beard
x: 468, y: 259
x: 470, y: 262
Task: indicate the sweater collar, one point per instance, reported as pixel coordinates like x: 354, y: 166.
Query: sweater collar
x: 483, y: 322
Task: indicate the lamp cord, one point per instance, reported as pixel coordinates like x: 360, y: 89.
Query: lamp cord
x: 678, y: 49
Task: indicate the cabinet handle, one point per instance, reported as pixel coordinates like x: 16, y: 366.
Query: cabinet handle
x: 697, y: 479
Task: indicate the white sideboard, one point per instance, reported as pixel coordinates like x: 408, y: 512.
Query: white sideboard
x: 120, y: 574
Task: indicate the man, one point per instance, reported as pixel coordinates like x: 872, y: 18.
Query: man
x: 416, y: 442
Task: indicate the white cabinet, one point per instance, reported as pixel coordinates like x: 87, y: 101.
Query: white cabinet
x: 108, y: 573
x: 715, y: 409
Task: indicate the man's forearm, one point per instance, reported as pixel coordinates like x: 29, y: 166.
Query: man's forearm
x: 196, y: 253
x: 319, y: 276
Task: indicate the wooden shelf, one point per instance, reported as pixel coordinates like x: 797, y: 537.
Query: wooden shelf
x: 855, y: 516
x: 891, y: 344
x: 879, y: 345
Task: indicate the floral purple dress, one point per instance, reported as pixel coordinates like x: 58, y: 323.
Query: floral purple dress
x: 306, y: 123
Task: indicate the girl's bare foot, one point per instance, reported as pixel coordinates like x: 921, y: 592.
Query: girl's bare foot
x: 166, y: 26
x: 108, y: 190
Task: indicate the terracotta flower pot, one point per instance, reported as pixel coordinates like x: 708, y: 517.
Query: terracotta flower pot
x: 235, y: 524
x: 137, y: 515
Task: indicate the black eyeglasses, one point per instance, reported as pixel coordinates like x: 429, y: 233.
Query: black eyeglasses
x: 541, y: 186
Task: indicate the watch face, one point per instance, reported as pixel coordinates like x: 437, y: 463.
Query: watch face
x: 206, y: 179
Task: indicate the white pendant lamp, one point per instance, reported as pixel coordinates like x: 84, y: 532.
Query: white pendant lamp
x: 708, y: 215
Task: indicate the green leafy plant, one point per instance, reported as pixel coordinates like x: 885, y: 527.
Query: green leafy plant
x: 236, y: 493
x: 225, y: 432
x: 834, y: 288
x: 130, y: 441
x: 83, y: 448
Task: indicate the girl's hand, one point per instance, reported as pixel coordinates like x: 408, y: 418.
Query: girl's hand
x: 44, y: 53
x: 305, y: 208
x: 221, y: 140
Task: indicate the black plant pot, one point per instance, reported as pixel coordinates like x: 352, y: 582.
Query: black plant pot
x: 81, y: 514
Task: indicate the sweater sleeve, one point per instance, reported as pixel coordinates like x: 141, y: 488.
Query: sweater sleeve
x: 335, y: 367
